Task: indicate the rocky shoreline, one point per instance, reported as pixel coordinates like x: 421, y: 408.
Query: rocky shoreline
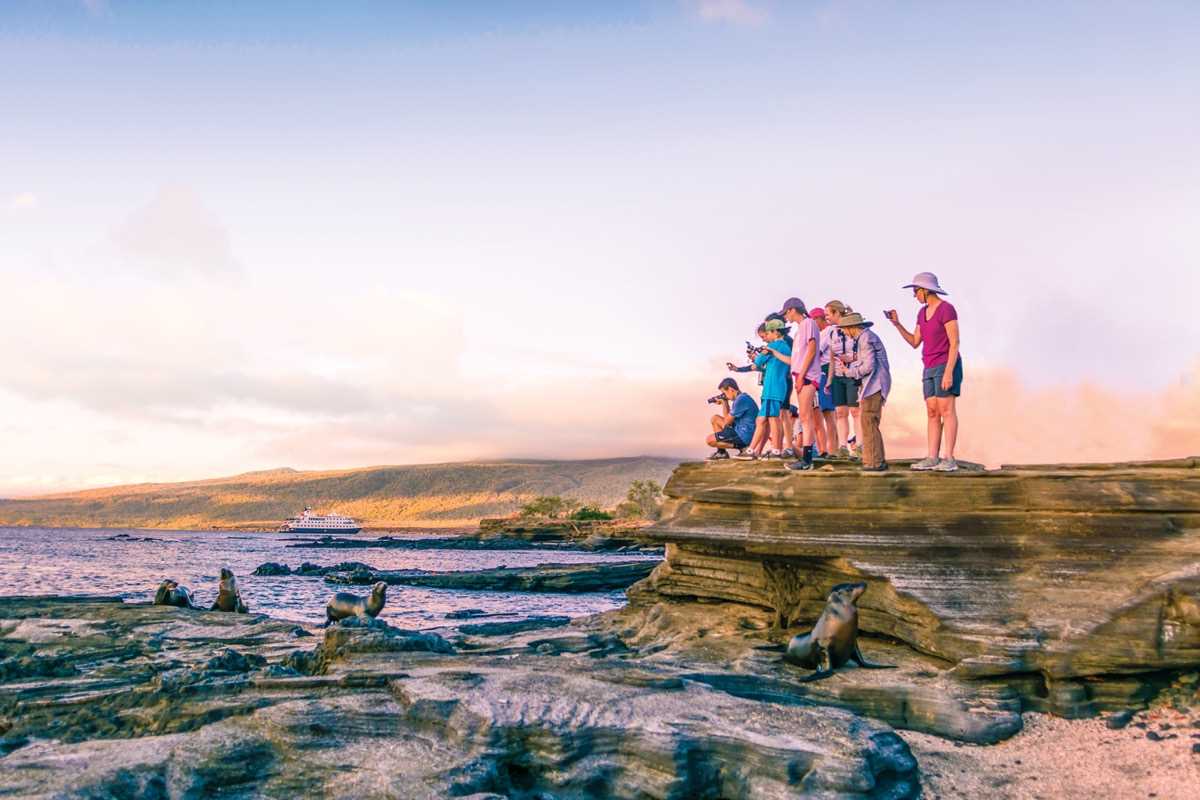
x: 1016, y: 605
x: 146, y: 701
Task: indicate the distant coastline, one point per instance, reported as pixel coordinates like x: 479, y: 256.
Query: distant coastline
x: 387, y: 499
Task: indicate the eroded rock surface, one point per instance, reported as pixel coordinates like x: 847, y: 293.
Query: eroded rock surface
x: 167, y: 702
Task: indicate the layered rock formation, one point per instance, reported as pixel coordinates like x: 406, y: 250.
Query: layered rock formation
x: 148, y: 701
x: 1074, y: 588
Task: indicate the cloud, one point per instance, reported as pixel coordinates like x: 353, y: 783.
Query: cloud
x: 737, y: 12
x: 25, y: 201
x: 176, y: 232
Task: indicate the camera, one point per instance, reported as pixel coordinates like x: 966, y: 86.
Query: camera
x: 751, y: 350
x: 716, y: 398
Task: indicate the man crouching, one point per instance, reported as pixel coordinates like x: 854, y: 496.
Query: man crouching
x: 735, y: 427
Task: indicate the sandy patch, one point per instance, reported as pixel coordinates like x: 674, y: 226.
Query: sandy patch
x: 1056, y: 758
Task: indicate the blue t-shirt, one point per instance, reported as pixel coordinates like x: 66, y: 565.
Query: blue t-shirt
x: 745, y: 413
x: 775, y: 383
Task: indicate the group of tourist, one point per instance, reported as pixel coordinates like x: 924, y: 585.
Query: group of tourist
x: 824, y: 367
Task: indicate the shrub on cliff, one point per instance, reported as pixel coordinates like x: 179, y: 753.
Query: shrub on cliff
x: 642, y: 501
x: 590, y: 513
x: 552, y: 507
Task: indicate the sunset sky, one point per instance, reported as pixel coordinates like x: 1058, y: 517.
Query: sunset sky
x: 237, y: 236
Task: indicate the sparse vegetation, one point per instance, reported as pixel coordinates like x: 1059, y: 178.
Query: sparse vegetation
x: 591, y: 513
x: 443, y: 495
x: 551, y: 507
x: 642, y: 501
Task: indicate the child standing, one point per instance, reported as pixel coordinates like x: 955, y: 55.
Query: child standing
x: 774, y: 364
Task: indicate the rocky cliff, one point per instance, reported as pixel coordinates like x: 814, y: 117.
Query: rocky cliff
x: 1070, y: 589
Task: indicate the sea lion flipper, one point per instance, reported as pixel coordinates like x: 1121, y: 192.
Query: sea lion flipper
x: 857, y: 658
x: 772, y: 648
x: 819, y: 675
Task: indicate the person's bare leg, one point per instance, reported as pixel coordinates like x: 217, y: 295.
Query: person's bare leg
x: 718, y: 422
x: 760, y: 435
x: 807, y: 414
x: 786, y: 426
x: 842, y: 420
x: 856, y: 413
x: 776, y: 433
x: 948, y: 411
x: 820, y: 423
x: 933, y: 432
x: 831, y: 432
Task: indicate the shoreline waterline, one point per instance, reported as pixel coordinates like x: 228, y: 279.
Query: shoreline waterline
x: 130, y: 562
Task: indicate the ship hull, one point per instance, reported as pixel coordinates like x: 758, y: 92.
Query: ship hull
x: 287, y: 529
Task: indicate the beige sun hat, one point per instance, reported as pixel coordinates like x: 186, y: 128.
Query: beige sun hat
x: 927, y: 281
x: 854, y: 320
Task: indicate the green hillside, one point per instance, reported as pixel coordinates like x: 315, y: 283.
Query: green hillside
x: 435, y: 495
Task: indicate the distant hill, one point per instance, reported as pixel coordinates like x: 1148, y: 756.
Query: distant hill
x: 434, y: 495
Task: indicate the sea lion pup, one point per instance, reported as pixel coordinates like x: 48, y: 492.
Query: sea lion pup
x: 171, y: 593
x: 344, y: 604
x: 228, y: 596
x: 834, y: 639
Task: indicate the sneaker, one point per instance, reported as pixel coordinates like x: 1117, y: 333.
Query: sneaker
x: 799, y: 466
x: 789, y: 453
x: 773, y: 455
x: 719, y: 455
x: 881, y: 468
x: 843, y: 453
x: 925, y: 464
x: 746, y: 455
x: 947, y: 465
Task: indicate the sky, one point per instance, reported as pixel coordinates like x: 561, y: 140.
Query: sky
x: 239, y: 236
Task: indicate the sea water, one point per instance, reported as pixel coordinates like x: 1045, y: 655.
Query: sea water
x: 131, y: 563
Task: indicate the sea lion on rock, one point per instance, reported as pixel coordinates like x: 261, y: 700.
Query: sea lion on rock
x: 228, y: 596
x: 171, y: 593
x: 834, y: 639
x: 344, y: 604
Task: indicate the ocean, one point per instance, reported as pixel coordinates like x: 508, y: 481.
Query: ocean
x: 91, y: 561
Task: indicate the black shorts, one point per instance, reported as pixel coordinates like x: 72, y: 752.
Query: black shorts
x: 728, y: 436
x: 844, y: 391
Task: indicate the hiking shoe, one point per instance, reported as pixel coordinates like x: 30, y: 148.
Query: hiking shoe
x: 747, y: 455
x: 720, y: 455
x: 926, y: 464
x: 843, y: 453
x: 947, y: 465
x: 881, y: 468
x: 802, y: 466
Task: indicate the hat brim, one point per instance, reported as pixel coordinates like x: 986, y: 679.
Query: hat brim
x: 926, y: 288
x: 863, y: 324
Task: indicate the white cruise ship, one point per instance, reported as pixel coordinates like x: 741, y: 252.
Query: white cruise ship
x: 308, y: 522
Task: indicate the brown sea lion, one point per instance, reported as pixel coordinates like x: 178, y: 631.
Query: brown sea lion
x: 834, y: 639
x: 228, y: 596
x: 171, y: 593
x: 344, y: 604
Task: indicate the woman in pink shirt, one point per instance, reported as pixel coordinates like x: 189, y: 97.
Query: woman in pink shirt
x: 937, y: 331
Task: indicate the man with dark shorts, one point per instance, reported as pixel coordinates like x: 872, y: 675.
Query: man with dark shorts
x: 937, y: 334
x: 735, y: 427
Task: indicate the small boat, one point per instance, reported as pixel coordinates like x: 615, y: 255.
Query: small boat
x: 308, y: 522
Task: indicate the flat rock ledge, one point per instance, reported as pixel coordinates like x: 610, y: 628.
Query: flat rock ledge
x: 1070, y: 589
x: 600, y: 576
x: 108, y: 699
